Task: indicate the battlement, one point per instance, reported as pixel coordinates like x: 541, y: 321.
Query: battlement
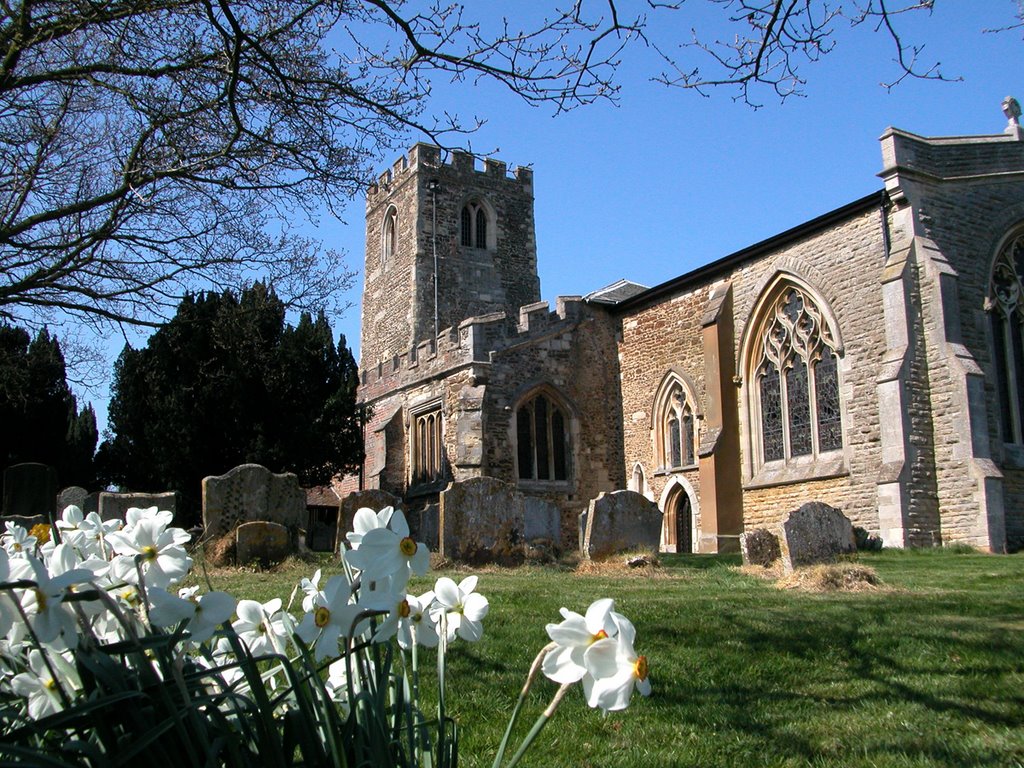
x: 427, y: 157
x: 474, y: 341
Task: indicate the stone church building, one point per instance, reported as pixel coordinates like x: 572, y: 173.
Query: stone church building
x: 871, y: 358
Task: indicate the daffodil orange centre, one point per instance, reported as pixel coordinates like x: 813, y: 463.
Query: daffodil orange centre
x: 403, y: 609
x: 149, y: 553
x: 601, y: 635
x: 321, y: 616
x: 640, y: 668
x: 41, y: 600
x: 407, y: 546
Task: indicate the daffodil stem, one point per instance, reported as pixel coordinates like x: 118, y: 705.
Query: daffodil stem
x: 534, y: 669
x: 538, y: 726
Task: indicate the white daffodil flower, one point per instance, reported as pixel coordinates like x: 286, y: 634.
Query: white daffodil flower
x: 51, y: 620
x: 263, y: 627
x: 418, y: 626
x: 204, y: 613
x: 40, y: 684
x: 614, y: 669
x: 310, y: 588
x: 330, y: 619
x: 463, y: 608
x: 17, y: 540
x: 164, y: 560
x: 390, y: 552
x: 366, y: 520
x: 573, y: 636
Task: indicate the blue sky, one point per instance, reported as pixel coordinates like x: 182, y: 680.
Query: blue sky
x: 669, y: 180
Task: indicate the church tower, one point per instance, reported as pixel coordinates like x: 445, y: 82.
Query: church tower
x: 444, y: 242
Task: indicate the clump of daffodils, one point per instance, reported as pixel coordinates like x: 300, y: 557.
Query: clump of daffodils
x: 114, y: 590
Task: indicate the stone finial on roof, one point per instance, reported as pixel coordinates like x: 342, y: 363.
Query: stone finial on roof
x: 1011, y: 108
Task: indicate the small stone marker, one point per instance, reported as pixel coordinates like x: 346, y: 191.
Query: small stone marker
x: 815, y: 533
x: 262, y: 542
x: 72, y: 496
x: 760, y: 547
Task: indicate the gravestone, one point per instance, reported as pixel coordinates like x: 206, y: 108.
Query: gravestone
x: 815, y: 533
x: 424, y: 524
x: 72, y: 496
x: 30, y: 489
x: 91, y: 503
x: 373, y: 498
x: 25, y: 521
x: 115, y: 506
x: 262, y: 542
x: 620, y: 521
x: 760, y: 547
x: 543, y: 520
x: 248, y: 493
x: 482, y: 521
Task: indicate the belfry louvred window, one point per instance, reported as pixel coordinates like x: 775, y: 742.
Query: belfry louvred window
x: 796, y: 380
x: 1006, y: 295
x: 473, y: 226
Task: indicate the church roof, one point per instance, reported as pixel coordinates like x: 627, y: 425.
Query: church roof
x: 617, y: 292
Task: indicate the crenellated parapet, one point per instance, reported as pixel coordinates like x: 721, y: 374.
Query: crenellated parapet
x: 474, y: 341
x: 427, y: 158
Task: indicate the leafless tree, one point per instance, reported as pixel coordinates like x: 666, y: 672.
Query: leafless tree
x: 149, y: 147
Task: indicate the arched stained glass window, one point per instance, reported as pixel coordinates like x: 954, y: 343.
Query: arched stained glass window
x: 1006, y: 294
x: 796, y: 380
x: 674, y: 426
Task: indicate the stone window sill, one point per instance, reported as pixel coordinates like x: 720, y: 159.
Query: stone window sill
x: 675, y: 470
x: 798, y: 471
x: 545, y: 486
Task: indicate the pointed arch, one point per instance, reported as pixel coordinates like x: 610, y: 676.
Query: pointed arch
x: 478, y: 225
x: 543, y: 429
x: 680, y: 513
x: 389, y: 236
x: 674, y: 418
x: 790, y: 355
x: 638, y: 481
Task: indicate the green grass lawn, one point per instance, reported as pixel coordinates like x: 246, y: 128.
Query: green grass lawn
x: 928, y: 671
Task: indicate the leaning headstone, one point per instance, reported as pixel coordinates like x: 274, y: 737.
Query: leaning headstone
x: 114, y: 506
x: 482, y: 521
x: 262, y: 542
x: 72, y: 496
x: 30, y: 489
x: 424, y: 524
x: 249, y: 493
x: 815, y: 533
x: 760, y: 547
x: 374, y: 498
x: 621, y: 521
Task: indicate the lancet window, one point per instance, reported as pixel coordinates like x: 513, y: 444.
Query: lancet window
x: 796, y: 380
x: 389, y: 236
x: 427, y: 447
x: 1006, y: 303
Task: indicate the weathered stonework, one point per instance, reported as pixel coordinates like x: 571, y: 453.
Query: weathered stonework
x: 482, y: 520
x: 251, y: 493
x: 262, y: 542
x: 619, y: 522
x: 899, y: 280
x: 815, y: 533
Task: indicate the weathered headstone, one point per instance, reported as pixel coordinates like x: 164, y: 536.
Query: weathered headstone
x: 25, y: 521
x: 30, y: 489
x: 543, y: 520
x: 374, y: 498
x: 92, y: 503
x: 815, y: 533
x: 482, y: 521
x: 72, y: 496
x: 249, y: 493
x: 114, y: 506
x: 620, y: 521
x: 262, y: 542
x: 759, y: 547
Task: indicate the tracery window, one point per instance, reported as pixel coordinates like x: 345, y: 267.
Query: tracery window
x: 542, y: 439
x: 674, y: 425
x: 796, y: 380
x: 427, y: 447
x: 1007, y: 319
x: 389, y: 236
x: 474, y: 226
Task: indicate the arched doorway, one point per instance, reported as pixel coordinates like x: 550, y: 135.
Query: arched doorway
x: 677, y: 523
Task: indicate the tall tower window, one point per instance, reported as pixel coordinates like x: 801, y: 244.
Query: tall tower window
x: 1006, y: 293
x: 794, y: 390
x: 473, y: 227
x: 389, y: 236
x: 427, y: 447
